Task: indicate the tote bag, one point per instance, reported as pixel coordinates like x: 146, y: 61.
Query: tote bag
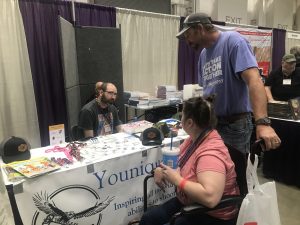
x: 259, y: 207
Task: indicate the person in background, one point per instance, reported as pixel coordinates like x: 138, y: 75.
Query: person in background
x: 283, y: 83
x: 296, y: 52
x: 228, y: 69
x: 97, y: 90
x: 205, y: 171
x: 100, y: 116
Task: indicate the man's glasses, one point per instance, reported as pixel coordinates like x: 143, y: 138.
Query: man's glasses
x: 111, y: 93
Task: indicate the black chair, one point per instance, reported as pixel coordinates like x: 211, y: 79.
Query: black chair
x: 240, y: 161
x: 76, y: 133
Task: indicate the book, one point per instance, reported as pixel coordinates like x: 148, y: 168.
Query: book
x: 34, y: 167
x: 295, y: 107
x: 12, y: 175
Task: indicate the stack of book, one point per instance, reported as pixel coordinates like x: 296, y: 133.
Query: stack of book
x: 148, y: 102
x: 164, y: 90
x: 158, y: 102
x: 174, y: 94
x: 138, y: 102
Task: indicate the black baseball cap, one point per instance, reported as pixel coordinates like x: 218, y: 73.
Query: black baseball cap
x: 192, y: 20
x: 14, y: 149
x: 152, y: 136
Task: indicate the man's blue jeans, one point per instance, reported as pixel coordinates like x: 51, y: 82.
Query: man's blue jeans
x: 237, y: 134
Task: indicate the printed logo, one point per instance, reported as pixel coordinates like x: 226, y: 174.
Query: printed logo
x: 62, y: 208
x: 212, y: 72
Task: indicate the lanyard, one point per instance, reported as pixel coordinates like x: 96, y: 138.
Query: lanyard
x: 66, y: 150
x: 191, y: 149
x: 108, y: 118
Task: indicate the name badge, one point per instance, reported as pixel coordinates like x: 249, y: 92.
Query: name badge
x: 287, y: 82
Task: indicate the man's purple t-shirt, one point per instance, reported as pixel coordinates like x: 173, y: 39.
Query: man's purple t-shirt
x: 219, y: 70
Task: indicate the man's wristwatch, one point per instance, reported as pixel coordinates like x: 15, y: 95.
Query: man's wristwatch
x: 263, y: 121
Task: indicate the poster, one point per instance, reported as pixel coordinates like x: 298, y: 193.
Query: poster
x: 261, y: 42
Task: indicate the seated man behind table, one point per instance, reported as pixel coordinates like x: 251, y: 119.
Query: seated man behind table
x: 100, y: 116
x: 205, y: 171
x: 283, y: 83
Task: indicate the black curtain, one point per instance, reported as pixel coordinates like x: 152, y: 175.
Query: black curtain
x: 95, y: 15
x: 187, y: 62
x: 40, y: 18
x: 278, y: 44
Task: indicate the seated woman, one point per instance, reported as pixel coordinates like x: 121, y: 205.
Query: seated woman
x: 205, y: 171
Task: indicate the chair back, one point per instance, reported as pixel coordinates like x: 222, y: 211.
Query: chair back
x: 240, y: 162
x: 76, y: 133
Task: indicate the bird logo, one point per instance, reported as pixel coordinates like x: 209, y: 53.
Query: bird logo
x: 57, y: 216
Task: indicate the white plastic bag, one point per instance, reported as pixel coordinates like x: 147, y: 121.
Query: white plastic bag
x: 259, y: 207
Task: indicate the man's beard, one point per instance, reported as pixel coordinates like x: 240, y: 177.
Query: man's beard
x: 106, y: 101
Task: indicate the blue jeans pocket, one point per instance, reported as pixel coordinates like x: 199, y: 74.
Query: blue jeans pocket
x: 237, y: 134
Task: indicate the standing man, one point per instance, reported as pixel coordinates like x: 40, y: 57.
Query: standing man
x: 100, y: 116
x: 283, y: 83
x: 228, y: 69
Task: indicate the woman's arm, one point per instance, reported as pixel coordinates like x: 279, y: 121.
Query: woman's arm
x: 207, y: 191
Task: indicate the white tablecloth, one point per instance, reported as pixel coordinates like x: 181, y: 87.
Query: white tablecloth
x: 105, y: 188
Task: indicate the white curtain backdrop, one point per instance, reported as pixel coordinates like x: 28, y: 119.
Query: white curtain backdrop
x: 149, y: 49
x: 292, y: 39
x: 18, y: 116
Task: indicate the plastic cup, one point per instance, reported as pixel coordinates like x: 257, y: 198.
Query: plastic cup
x: 170, y: 156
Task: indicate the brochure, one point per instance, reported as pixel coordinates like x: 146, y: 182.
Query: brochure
x: 34, y: 167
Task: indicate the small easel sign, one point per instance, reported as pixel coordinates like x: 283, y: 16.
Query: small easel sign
x: 57, y: 134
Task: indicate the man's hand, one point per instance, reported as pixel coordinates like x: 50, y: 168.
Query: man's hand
x: 268, y: 134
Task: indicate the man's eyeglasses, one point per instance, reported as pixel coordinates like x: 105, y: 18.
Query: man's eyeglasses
x: 111, y: 93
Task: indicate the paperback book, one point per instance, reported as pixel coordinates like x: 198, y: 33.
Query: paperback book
x: 34, y: 167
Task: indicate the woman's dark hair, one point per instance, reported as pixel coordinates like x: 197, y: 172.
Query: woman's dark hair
x: 201, y: 111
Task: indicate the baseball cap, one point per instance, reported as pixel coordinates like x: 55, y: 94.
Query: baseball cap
x: 193, y: 19
x: 151, y: 136
x: 14, y: 149
x: 289, y: 58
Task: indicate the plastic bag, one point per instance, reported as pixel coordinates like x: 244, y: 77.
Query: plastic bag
x: 259, y: 207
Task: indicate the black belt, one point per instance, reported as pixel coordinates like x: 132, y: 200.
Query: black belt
x: 232, y: 118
